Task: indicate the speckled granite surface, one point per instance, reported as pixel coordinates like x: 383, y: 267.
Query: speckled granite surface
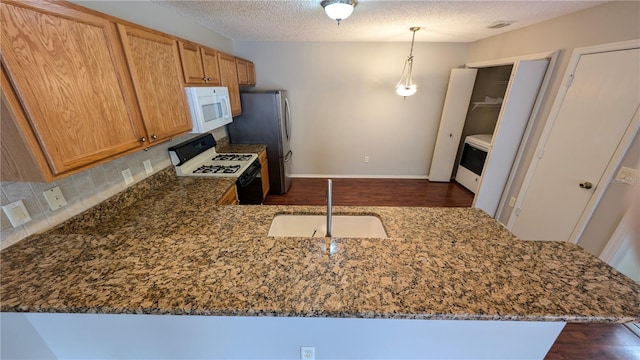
x: 223, y: 146
x: 173, y: 252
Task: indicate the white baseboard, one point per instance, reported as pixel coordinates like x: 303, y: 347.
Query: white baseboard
x: 357, y: 176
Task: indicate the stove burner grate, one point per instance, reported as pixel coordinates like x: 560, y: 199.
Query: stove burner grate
x: 232, y: 157
x: 217, y: 169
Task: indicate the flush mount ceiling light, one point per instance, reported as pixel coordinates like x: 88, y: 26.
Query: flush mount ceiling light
x: 339, y: 9
x: 405, y: 86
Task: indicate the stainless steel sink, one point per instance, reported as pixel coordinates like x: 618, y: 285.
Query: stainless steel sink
x: 346, y: 226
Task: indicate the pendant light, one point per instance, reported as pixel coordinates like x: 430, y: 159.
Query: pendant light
x: 405, y: 86
x: 339, y: 10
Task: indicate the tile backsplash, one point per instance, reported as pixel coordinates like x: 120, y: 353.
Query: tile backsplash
x: 82, y: 191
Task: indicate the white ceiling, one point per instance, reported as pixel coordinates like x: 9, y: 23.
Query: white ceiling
x: 372, y: 20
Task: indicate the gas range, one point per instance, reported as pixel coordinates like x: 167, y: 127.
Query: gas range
x: 198, y: 157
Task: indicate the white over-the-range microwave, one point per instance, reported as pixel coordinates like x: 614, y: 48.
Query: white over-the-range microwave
x: 209, y: 107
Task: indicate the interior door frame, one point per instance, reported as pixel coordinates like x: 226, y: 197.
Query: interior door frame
x: 553, y: 58
x: 624, y: 145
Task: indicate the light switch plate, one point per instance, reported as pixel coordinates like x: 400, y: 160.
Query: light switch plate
x: 128, y: 178
x: 17, y: 213
x: 148, y: 168
x: 55, y: 198
x: 628, y: 175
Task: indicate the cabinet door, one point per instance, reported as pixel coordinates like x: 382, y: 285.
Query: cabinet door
x: 243, y: 76
x: 192, y: 67
x: 229, y: 78
x: 251, y: 73
x: 154, y: 65
x: 211, y: 68
x: 68, y: 69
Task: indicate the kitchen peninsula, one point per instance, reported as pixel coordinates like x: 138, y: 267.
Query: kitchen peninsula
x: 163, y: 247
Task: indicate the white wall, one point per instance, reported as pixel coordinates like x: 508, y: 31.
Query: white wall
x: 618, y: 197
x: 344, y: 105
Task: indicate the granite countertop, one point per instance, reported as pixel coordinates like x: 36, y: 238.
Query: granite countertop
x: 223, y: 146
x: 163, y: 247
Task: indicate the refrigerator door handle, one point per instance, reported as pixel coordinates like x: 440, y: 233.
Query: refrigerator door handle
x: 288, y: 156
x: 287, y: 120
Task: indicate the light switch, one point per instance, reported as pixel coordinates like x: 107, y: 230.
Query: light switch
x: 55, y: 198
x: 628, y: 175
x: 17, y: 213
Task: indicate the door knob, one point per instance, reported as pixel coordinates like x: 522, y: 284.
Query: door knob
x: 586, y: 185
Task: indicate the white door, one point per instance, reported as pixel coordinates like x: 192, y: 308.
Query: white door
x: 597, y: 109
x: 454, y: 114
x: 522, y: 92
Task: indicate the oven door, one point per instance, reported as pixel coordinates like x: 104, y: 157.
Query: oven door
x: 249, y: 185
x: 470, y: 168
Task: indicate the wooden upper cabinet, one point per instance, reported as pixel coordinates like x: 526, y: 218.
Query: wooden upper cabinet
x: 246, y: 72
x: 211, y: 68
x: 69, y: 73
x: 154, y: 66
x: 251, y: 72
x: 229, y: 78
x: 199, y: 64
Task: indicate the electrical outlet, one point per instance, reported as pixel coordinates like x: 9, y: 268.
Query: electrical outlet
x: 366, y: 159
x: 307, y: 353
x: 128, y: 178
x: 54, y: 197
x: 17, y: 213
x: 148, y: 168
x: 512, y: 201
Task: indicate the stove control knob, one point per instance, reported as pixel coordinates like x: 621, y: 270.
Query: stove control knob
x: 143, y: 139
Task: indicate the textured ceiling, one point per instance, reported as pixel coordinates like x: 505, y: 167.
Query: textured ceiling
x: 372, y: 20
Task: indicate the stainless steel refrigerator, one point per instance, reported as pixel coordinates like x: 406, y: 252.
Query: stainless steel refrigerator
x: 266, y: 119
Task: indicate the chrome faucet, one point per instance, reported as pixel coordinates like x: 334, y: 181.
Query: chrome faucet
x: 329, y: 205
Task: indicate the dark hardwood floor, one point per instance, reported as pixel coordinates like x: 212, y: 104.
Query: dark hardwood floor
x: 576, y: 341
x: 374, y: 192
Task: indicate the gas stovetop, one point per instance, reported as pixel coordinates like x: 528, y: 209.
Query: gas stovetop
x: 198, y: 157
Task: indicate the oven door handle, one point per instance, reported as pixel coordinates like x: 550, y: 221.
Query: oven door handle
x: 249, y: 175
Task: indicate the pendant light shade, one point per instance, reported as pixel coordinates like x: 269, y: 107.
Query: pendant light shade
x: 339, y: 10
x: 405, y: 86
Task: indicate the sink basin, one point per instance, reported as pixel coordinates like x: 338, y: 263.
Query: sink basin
x: 347, y: 226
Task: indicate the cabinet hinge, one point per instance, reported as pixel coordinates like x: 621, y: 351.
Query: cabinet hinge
x: 540, y: 153
x: 570, y: 80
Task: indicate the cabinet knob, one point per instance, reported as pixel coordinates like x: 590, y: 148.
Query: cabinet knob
x: 143, y: 139
x: 204, y: 78
x: 586, y: 185
x: 208, y: 79
x: 154, y: 136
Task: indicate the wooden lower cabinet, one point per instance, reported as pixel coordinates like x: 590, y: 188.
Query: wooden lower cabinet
x: 229, y: 197
x: 264, y: 172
